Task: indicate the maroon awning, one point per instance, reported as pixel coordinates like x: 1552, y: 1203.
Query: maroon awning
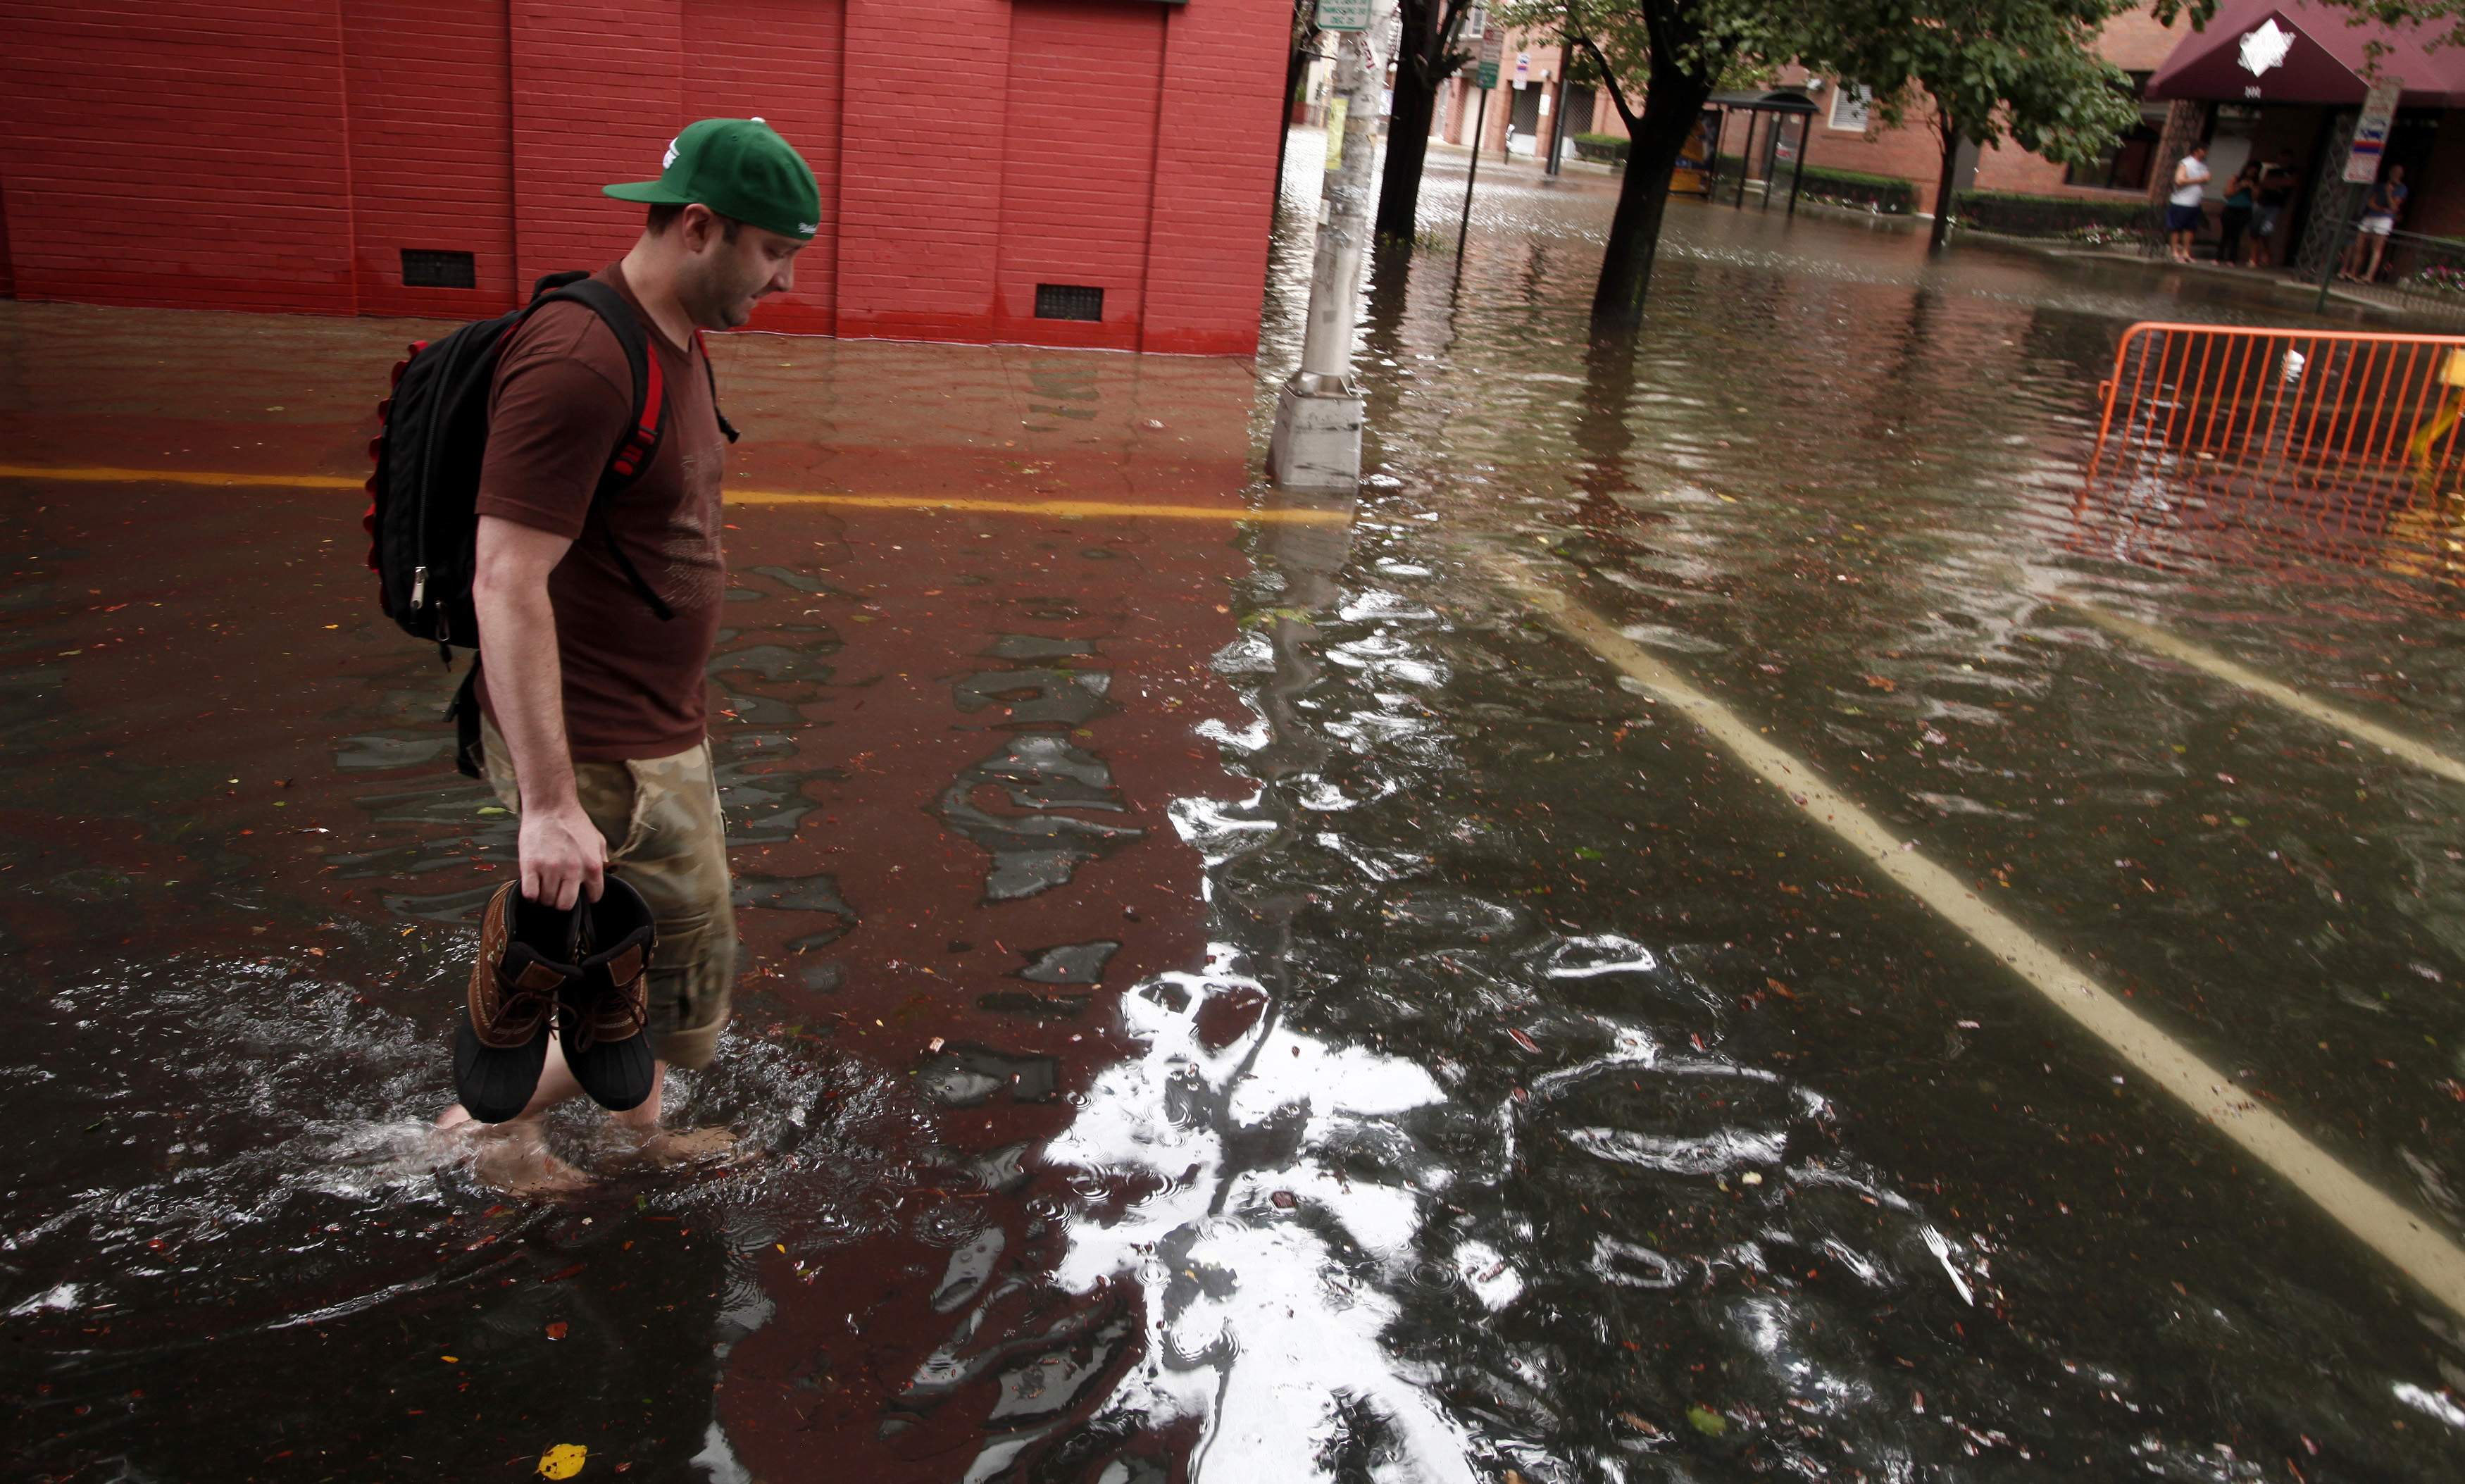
x: 2289, y: 51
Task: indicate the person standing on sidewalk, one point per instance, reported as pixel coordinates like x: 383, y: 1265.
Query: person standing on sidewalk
x: 2276, y: 190
x: 2241, y: 199
x: 593, y: 703
x: 2379, y: 212
x: 2185, y: 208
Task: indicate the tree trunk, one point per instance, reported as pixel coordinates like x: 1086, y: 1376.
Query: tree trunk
x: 1408, y: 147
x: 1943, y: 182
x: 1671, y: 112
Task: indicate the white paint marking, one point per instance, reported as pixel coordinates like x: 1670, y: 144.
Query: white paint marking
x: 2429, y: 759
x: 2429, y: 1256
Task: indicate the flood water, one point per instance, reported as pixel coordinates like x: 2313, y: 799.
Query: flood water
x: 1245, y: 999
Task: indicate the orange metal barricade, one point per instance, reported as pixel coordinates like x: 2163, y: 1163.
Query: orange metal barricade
x: 2279, y: 446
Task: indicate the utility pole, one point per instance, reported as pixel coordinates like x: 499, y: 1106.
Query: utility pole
x: 1558, y: 106
x: 1316, y: 443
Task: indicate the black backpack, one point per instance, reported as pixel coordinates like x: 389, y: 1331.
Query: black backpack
x: 423, y: 520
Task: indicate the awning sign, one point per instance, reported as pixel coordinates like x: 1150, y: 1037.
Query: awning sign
x: 2265, y: 46
x: 2371, y: 131
x: 1343, y: 14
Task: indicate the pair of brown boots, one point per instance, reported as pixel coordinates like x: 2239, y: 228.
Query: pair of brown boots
x: 583, y: 972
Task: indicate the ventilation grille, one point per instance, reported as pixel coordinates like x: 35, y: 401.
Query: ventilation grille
x: 425, y: 269
x: 1069, y: 301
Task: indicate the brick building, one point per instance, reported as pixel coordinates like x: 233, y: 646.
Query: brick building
x: 1845, y: 134
x: 432, y: 157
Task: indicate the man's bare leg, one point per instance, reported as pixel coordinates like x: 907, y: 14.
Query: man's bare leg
x: 514, y: 1156
x: 666, y: 1147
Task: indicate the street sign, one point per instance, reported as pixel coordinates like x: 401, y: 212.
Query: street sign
x: 1493, y: 51
x: 1343, y: 14
x: 1474, y: 24
x: 2371, y: 131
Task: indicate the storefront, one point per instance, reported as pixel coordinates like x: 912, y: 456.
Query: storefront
x: 2283, y: 82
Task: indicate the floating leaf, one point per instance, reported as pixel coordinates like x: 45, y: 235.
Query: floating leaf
x: 556, y: 1331
x: 1707, y: 1422
x: 493, y: 808
x: 562, y: 1461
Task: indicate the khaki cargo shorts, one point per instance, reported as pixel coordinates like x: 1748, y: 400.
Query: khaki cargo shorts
x: 666, y: 838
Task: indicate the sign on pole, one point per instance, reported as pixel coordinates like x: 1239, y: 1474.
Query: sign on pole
x: 2371, y: 131
x: 1343, y: 14
x: 1493, y: 52
x: 1474, y: 24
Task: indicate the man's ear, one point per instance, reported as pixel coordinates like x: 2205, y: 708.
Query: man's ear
x: 698, y: 224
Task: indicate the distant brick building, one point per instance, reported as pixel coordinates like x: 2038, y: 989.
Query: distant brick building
x: 432, y: 157
x: 1845, y: 136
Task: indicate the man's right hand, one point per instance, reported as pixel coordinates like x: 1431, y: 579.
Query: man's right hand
x: 563, y: 857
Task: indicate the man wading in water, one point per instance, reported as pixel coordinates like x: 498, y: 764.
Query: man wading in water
x: 593, y: 703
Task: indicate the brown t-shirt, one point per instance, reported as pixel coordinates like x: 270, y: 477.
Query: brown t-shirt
x: 563, y: 399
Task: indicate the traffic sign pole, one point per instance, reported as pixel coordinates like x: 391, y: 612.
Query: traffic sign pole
x: 1472, y: 178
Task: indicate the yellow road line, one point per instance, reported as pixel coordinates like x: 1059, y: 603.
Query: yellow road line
x: 1076, y: 508
x: 1072, y: 509
x: 289, y: 481
x: 2429, y: 759
x: 2388, y: 1226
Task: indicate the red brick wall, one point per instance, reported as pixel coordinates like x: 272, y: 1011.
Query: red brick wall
x: 784, y: 61
x: 1076, y: 196
x: 597, y: 97
x: 279, y: 154
x: 1217, y: 151
x: 921, y: 195
x: 428, y: 95
x: 177, y: 152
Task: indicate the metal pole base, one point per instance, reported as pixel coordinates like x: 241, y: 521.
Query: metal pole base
x: 1316, y: 443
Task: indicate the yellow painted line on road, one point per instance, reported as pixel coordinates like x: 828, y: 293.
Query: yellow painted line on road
x: 1070, y: 509
x: 2388, y: 1226
x: 2422, y: 755
x: 288, y: 481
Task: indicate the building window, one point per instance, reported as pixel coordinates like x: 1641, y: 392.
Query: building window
x: 1851, y: 102
x: 2125, y: 163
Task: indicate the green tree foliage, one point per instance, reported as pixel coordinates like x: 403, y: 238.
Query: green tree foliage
x: 1990, y: 70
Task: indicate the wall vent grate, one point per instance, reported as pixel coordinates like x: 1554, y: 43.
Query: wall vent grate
x: 1069, y: 301
x: 423, y: 268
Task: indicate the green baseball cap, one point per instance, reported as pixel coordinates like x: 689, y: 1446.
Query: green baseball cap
x: 738, y: 167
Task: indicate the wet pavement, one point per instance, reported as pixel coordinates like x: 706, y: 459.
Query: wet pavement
x: 1231, y: 993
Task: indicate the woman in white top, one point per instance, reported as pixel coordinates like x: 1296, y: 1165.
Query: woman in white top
x: 2183, y: 208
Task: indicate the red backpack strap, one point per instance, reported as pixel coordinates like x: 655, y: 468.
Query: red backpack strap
x: 634, y: 454
x: 641, y: 441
